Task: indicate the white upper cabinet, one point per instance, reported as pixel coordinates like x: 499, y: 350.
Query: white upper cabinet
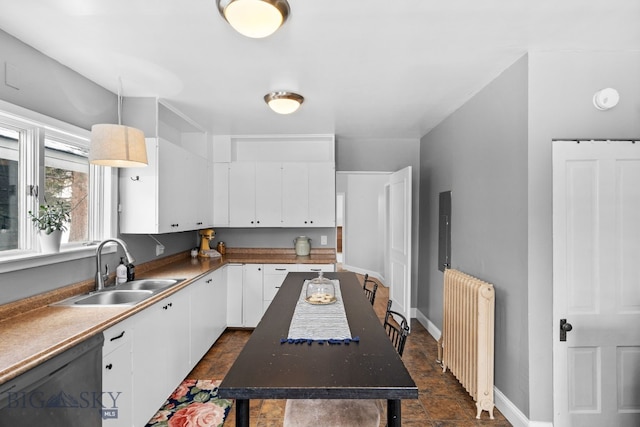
x: 309, y: 195
x: 171, y: 193
x: 220, y: 194
x: 274, y: 181
x: 255, y: 194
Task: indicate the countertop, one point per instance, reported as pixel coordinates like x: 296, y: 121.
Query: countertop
x: 32, y: 331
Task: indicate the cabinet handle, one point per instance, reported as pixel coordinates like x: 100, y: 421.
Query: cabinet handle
x: 109, y: 366
x: 281, y: 269
x: 117, y: 337
x: 198, y: 223
x: 210, y: 280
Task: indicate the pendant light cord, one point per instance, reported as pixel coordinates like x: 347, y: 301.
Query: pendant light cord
x: 120, y: 100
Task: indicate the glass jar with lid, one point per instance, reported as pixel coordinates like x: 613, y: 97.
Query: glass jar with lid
x: 321, y: 290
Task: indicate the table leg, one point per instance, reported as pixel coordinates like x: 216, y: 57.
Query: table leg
x: 394, y: 413
x: 242, y: 412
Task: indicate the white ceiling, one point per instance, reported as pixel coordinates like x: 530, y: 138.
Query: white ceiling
x: 367, y: 68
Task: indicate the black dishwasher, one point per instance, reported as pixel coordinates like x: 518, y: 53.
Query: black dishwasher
x: 63, y: 391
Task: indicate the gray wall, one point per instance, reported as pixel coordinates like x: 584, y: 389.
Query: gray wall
x: 561, y: 87
x: 50, y: 88
x: 386, y: 155
x: 480, y: 154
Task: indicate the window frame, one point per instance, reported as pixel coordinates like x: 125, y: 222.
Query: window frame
x: 102, y: 189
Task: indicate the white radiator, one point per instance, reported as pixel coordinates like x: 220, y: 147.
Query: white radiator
x: 468, y: 335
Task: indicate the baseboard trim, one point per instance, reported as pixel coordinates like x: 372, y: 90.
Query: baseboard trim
x: 428, y: 325
x: 506, y: 407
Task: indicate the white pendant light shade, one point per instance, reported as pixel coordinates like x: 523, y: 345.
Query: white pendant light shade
x: 117, y: 146
x: 254, y: 18
x: 283, y: 102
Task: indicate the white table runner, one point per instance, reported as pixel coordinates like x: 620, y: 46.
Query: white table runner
x: 311, y: 322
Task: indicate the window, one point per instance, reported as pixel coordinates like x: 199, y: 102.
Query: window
x: 8, y: 189
x: 42, y: 161
x: 67, y: 180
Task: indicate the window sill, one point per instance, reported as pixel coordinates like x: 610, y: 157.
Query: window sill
x: 25, y: 260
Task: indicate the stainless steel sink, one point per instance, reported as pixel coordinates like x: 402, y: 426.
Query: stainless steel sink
x: 129, y: 293
x: 114, y: 297
x: 148, y: 284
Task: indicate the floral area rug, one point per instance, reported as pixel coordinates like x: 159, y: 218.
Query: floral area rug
x: 195, y: 403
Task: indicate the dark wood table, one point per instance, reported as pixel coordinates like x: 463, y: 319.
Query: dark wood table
x: 369, y: 369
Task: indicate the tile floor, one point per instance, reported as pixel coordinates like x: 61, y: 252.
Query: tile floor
x: 442, y: 401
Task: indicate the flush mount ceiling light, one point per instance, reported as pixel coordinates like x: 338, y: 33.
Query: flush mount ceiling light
x: 117, y: 146
x: 284, y: 102
x: 254, y: 18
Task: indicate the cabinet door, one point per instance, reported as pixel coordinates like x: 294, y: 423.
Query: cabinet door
x: 198, y: 189
x: 205, y: 316
x: 268, y: 195
x: 322, y: 194
x: 234, y: 274
x: 173, y: 203
x: 174, y: 328
x: 242, y: 194
x: 148, y: 347
x: 252, y: 295
x: 295, y: 200
x: 219, y: 307
x: 138, y: 188
x: 221, y: 194
x: 117, y: 389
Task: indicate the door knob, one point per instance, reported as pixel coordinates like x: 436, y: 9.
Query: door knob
x: 564, y: 328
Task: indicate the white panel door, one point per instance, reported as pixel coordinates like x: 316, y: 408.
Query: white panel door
x: 399, y: 240
x: 596, y: 283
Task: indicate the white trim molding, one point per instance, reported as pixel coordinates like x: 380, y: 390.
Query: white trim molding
x: 506, y: 407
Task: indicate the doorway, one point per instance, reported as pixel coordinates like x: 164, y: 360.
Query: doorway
x: 377, y: 229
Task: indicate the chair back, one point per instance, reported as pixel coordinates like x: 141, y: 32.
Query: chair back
x: 397, y: 328
x: 370, y: 288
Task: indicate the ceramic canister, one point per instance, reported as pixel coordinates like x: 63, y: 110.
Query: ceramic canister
x: 303, y: 246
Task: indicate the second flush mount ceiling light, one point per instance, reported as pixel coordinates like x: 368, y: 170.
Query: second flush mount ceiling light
x: 283, y: 102
x: 254, y: 18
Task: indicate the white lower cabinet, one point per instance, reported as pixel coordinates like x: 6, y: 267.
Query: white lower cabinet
x: 208, y: 314
x: 117, y: 387
x: 234, y: 274
x: 160, y: 353
x: 252, y: 294
x: 244, y: 295
x: 274, y: 275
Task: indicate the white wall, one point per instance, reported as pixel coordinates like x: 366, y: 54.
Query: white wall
x: 364, y: 222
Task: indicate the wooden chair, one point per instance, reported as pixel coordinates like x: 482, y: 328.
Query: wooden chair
x: 370, y: 291
x: 397, y: 328
x: 347, y: 412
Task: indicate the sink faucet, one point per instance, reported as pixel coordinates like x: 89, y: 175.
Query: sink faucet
x: 100, y: 278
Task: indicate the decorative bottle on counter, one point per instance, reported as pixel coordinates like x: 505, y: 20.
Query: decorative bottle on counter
x: 221, y: 248
x: 121, y: 272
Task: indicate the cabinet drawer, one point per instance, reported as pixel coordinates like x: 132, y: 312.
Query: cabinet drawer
x: 116, y: 336
x: 279, y: 268
x: 316, y: 267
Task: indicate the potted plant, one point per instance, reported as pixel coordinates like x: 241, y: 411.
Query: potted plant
x: 51, y: 220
